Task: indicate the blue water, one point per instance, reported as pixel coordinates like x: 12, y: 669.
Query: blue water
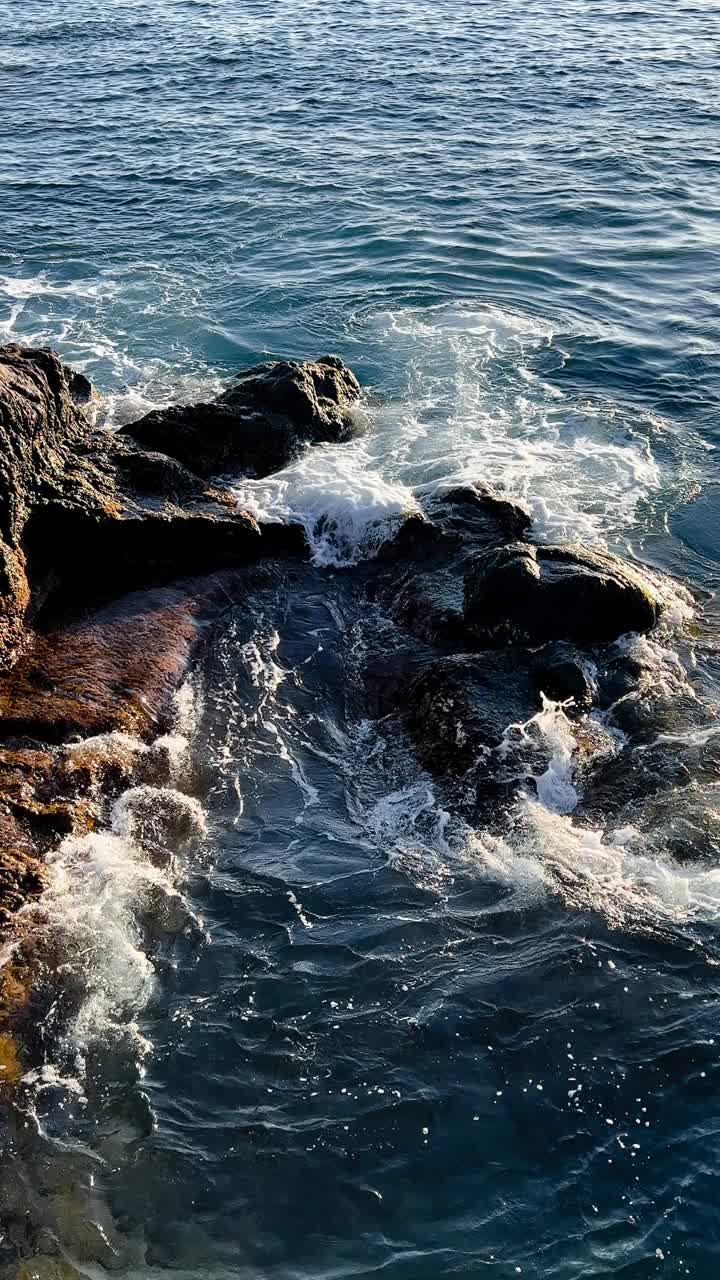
x: 340, y: 1034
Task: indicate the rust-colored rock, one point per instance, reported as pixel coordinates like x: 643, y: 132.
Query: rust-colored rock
x: 86, y: 516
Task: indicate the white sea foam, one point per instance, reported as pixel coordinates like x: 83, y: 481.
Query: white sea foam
x: 341, y: 500
x: 465, y: 408
x: 609, y: 873
x: 86, y: 320
x: 468, y: 408
x: 107, y: 894
x: 544, y: 853
x: 88, y: 916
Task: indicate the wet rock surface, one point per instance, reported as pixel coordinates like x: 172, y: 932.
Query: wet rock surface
x: 86, y: 516
x: 261, y: 422
x: 523, y: 594
x: 475, y: 513
x: 99, y: 621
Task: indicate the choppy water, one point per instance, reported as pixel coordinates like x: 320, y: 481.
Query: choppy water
x: 336, y: 1032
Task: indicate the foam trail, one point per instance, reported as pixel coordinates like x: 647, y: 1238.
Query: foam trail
x: 465, y: 407
x: 92, y: 919
x: 470, y: 408
x: 607, y: 873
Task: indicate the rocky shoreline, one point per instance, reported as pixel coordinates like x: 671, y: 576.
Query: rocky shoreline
x: 117, y: 551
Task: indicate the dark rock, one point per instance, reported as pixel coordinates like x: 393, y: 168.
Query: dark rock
x: 154, y: 474
x: 101, y: 552
x: 650, y: 709
x: 475, y: 513
x: 522, y: 594
x: 682, y: 826
x: 471, y: 514
x: 430, y: 605
x: 417, y: 539
x: 39, y: 428
x: 89, y: 511
x: 316, y: 395
x: 459, y: 708
x: 261, y: 422
x: 386, y: 678
x: 619, y: 676
x: 562, y: 679
x: 80, y: 388
x: 612, y: 786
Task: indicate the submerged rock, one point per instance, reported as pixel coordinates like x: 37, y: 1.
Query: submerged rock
x: 261, y: 422
x: 458, y: 708
x: 522, y: 594
x: 562, y: 678
x: 430, y: 605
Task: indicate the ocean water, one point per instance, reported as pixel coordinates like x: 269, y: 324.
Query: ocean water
x: 298, y: 1019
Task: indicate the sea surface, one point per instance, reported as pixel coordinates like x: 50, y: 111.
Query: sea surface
x: 335, y: 1032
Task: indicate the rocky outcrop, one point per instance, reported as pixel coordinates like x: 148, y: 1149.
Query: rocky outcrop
x: 502, y: 627
x: 96, y: 513
x: 474, y: 513
x: 99, y: 621
x: 457, y: 582
x: 521, y: 594
x: 261, y: 422
x: 87, y: 515
x: 469, y: 516
x: 39, y: 427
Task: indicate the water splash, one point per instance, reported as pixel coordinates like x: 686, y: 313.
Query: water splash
x: 470, y: 408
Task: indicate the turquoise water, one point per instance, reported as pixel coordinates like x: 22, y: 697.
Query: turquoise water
x: 341, y: 1034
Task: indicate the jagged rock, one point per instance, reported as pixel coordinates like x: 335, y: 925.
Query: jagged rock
x: 261, y: 422
x: 21, y: 880
x: 522, y: 594
x: 91, y: 512
x: 468, y: 515
x: 153, y: 474
x: 429, y: 601
x: 476, y: 513
x: 466, y: 717
x: 100, y: 553
x: 80, y: 388
x: 86, y: 514
x: 39, y: 424
x: 417, y: 538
